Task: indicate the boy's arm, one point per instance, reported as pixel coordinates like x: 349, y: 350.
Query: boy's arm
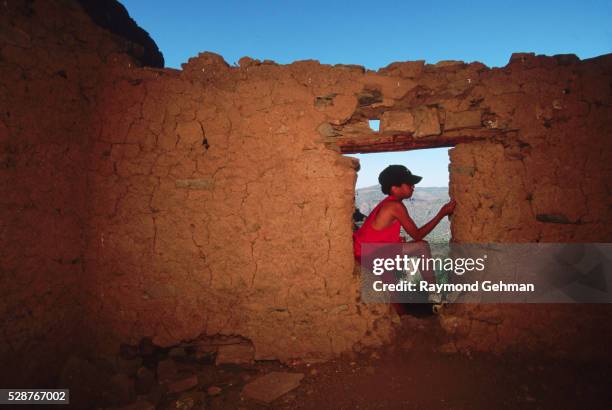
x: 401, y: 213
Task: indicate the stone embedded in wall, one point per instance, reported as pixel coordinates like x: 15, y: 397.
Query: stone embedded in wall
x: 426, y: 121
x: 397, y: 121
x: 553, y: 218
x: 369, y: 96
x: 560, y: 204
x: 491, y: 121
x: 421, y: 122
x: 463, y: 119
x: 326, y: 130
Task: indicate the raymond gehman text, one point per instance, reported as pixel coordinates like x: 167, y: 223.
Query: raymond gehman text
x: 487, y: 273
x: 461, y: 267
x: 424, y: 286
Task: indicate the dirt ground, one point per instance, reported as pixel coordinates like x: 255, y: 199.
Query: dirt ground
x: 413, y: 374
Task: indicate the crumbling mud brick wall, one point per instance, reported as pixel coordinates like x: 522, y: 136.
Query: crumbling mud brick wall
x: 220, y: 205
x: 549, y: 182
x: 141, y: 202
x: 531, y: 163
x: 214, y: 199
x: 217, y: 209
x: 51, y: 58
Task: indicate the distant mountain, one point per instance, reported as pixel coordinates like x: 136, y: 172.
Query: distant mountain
x: 422, y: 207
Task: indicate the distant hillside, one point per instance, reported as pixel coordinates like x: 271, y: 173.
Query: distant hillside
x: 423, y: 206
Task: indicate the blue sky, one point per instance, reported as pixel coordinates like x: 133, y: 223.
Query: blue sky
x: 374, y: 35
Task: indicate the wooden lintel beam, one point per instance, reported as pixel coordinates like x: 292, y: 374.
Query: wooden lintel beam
x: 363, y: 144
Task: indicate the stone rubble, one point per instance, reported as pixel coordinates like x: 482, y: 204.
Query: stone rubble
x: 272, y: 386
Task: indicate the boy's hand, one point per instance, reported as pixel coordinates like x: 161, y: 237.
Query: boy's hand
x: 448, y: 208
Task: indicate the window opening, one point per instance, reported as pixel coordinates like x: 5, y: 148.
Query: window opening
x: 374, y: 125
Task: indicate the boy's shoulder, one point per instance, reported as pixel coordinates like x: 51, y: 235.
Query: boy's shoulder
x: 391, y: 205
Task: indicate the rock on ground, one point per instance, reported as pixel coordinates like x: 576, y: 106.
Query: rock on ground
x: 272, y: 386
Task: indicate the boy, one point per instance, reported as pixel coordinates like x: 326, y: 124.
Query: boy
x: 386, y: 219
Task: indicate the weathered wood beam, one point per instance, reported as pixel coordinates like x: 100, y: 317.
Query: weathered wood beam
x: 375, y: 142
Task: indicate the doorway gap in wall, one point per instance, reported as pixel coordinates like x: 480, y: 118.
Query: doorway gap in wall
x: 429, y: 195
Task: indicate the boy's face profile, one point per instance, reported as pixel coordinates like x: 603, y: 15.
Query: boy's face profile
x: 397, y: 180
x: 403, y: 191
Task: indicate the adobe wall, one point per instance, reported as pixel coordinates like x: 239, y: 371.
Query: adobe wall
x: 173, y: 204
x: 531, y: 163
x: 549, y: 183
x: 216, y: 209
x: 219, y: 203
x: 51, y: 59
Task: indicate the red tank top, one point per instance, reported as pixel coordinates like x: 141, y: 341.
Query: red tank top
x: 367, y: 233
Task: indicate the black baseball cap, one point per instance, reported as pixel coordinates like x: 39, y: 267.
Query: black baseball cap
x: 396, y: 175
